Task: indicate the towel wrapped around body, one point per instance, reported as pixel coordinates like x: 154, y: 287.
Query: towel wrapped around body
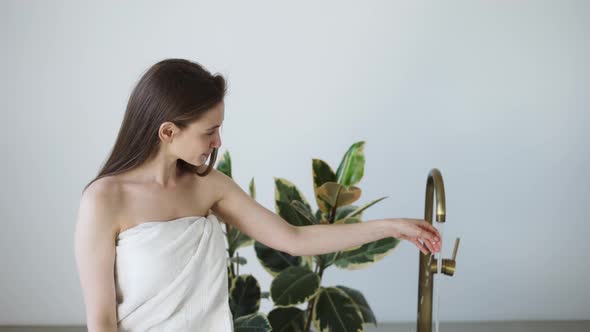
x: 172, y: 276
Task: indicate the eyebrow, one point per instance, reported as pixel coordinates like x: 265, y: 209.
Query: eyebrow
x: 213, y: 127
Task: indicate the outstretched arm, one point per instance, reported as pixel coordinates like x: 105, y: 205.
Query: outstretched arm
x: 240, y: 210
x: 327, y: 238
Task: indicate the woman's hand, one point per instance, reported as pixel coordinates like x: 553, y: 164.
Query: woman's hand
x: 416, y: 230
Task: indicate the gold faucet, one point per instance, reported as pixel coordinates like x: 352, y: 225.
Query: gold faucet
x: 429, y: 264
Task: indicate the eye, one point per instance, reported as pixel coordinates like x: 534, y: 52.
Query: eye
x: 210, y: 134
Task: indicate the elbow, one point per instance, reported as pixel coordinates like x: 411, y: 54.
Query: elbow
x: 102, y: 328
x: 101, y: 325
x: 294, y: 245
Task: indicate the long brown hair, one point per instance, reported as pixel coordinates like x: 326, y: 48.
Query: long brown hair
x: 175, y: 90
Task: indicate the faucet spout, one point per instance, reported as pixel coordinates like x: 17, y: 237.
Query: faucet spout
x: 428, y: 264
x: 435, y: 185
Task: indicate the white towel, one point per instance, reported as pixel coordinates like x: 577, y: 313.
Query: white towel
x: 172, y: 276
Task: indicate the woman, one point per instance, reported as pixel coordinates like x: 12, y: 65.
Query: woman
x: 149, y: 247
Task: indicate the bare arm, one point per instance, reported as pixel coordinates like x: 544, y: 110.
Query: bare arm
x: 94, y: 241
x: 328, y: 238
x: 241, y: 211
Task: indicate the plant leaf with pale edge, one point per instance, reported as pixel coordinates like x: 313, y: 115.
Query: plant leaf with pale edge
x: 319, y: 215
x: 275, y: 261
x: 351, y: 168
x: 255, y: 322
x: 224, y: 164
x: 302, y: 210
x: 345, y: 210
x: 326, y: 259
x: 286, y: 211
x: 359, y: 211
x: 244, y: 295
x: 332, y: 194
x: 290, y: 319
x: 293, y: 286
x: 359, y: 300
x: 366, y: 255
x: 334, y: 310
x: 322, y: 173
x: 286, y: 191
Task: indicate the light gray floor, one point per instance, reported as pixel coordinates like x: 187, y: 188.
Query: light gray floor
x: 517, y: 326
x: 520, y: 326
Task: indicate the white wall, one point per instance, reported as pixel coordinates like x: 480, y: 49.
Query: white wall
x: 492, y: 93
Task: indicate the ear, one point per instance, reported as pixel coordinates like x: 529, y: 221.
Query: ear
x: 168, y: 131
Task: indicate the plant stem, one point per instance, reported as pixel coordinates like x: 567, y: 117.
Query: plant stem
x: 320, y: 265
x: 310, y: 304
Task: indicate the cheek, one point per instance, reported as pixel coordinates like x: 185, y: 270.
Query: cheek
x: 203, y: 144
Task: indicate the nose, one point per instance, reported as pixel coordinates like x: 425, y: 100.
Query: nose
x: 217, y: 142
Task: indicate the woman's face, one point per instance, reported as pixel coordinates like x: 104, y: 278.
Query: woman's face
x: 197, y: 141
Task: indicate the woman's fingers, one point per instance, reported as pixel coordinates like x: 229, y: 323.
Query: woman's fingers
x: 419, y: 245
x: 430, y: 240
x: 423, y: 235
x: 429, y: 232
x: 430, y: 245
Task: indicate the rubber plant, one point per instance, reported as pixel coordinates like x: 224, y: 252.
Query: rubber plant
x: 297, y: 279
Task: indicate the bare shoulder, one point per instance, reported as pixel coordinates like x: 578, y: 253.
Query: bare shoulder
x: 95, y: 243
x: 219, y: 184
x: 100, y: 204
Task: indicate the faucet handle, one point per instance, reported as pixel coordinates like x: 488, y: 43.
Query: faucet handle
x: 447, y: 265
x: 455, y: 250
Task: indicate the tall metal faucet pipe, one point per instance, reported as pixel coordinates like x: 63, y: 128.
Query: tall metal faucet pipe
x: 428, y: 264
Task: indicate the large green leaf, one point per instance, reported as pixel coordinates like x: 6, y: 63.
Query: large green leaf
x: 293, y: 286
x: 255, y: 322
x: 367, y: 254
x: 302, y: 210
x: 351, y: 168
x: 335, y: 311
x: 286, y: 191
x: 275, y: 261
x: 322, y: 172
x: 244, y: 295
x: 290, y: 214
x: 359, y: 300
x: 290, y: 319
